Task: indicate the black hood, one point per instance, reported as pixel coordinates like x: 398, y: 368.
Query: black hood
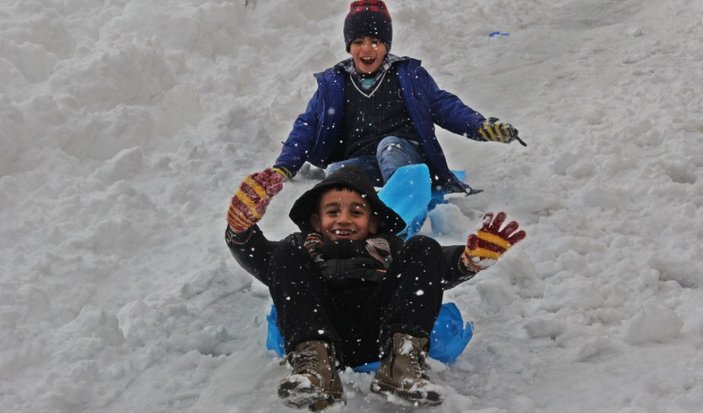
x: 348, y: 177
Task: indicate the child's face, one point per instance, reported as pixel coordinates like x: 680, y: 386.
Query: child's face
x: 343, y: 214
x: 368, y: 54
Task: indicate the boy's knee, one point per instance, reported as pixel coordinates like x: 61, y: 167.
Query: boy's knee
x: 423, y: 245
x: 424, y: 254
x: 389, y: 143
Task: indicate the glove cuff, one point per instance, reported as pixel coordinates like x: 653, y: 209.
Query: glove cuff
x: 284, y: 172
x: 469, y: 266
x: 238, y: 238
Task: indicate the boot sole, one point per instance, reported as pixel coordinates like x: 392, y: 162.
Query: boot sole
x: 416, y: 399
x: 323, y: 404
x: 314, y: 400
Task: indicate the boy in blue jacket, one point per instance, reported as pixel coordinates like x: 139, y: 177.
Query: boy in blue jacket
x: 347, y: 290
x: 377, y: 111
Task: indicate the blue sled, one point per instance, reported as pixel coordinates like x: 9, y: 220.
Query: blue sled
x: 409, y: 193
x: 449, y: 337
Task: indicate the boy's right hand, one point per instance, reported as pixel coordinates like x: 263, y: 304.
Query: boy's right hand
x: 251, y: 199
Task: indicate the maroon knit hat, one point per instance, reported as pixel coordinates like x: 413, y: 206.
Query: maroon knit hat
x: 368, y: 18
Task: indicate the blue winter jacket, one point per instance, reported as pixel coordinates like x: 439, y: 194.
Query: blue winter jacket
x: 317, y: 133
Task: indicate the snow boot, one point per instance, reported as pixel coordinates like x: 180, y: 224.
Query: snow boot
x: 403, y: 373
x: 314, y: 382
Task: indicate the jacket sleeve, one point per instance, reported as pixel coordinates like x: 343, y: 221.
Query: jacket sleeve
x: 450, y: 112
x: 252, y: 251
x: 453, y: 273
x: 301, y: 138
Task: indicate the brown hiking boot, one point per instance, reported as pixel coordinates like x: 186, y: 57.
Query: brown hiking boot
x: 314, y: 382
x: 403, y: 373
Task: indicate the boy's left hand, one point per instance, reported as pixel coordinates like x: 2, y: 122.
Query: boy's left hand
x: 495, y: 130
x: 490, y: 242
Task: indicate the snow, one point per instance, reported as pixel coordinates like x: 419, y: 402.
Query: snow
x: 126, y: 125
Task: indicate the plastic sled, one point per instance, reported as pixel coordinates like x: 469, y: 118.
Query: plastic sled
x: 448, y: 339
x: 409, y: 193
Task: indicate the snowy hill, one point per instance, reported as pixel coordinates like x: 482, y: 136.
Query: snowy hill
x: 126, y: 125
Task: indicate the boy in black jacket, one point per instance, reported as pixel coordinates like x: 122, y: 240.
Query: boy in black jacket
x: 346, y: 288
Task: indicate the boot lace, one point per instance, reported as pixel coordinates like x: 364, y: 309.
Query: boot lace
x: 417, y: 357
x: 306, y: 361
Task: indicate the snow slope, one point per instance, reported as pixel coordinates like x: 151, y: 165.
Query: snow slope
x: 126, y: 125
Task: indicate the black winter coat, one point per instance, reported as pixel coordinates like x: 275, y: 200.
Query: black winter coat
x: 253, y: 252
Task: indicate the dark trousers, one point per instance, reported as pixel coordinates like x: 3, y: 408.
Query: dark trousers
x: 358, y: 317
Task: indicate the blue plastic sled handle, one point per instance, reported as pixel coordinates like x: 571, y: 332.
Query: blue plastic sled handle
x: 408, y: 193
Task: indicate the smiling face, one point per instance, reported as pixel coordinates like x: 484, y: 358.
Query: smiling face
x: 368, y: 54
x: 343, y: 214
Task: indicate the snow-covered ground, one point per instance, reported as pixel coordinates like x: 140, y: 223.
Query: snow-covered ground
x: 126, y: 125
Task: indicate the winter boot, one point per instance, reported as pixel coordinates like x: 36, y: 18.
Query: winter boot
x: 314, y: 382
x: 403, y: 373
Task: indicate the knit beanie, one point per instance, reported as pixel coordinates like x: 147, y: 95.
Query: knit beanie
x: 368, y: 18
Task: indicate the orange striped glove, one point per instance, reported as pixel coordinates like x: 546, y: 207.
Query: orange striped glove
x: 490, y: 242
x: 250, y: 201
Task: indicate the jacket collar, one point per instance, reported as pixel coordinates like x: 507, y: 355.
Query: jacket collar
x: 347, y: 66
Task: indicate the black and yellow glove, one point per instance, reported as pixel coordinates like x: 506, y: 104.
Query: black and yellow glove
x: 495, y: 130
x: 283, y: 171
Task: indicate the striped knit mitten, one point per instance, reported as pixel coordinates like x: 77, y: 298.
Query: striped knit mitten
x: 251, y: 199
x: 490, y: 242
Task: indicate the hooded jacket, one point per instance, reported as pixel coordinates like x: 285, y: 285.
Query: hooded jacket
x: 352, y: 178
x: 316, y: 133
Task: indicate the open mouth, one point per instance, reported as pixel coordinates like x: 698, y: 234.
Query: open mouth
x: 343, y: 232
x: 367, y: 60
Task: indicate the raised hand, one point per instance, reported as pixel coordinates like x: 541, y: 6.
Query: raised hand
x: 251, y: 199
x: 489, y: 243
